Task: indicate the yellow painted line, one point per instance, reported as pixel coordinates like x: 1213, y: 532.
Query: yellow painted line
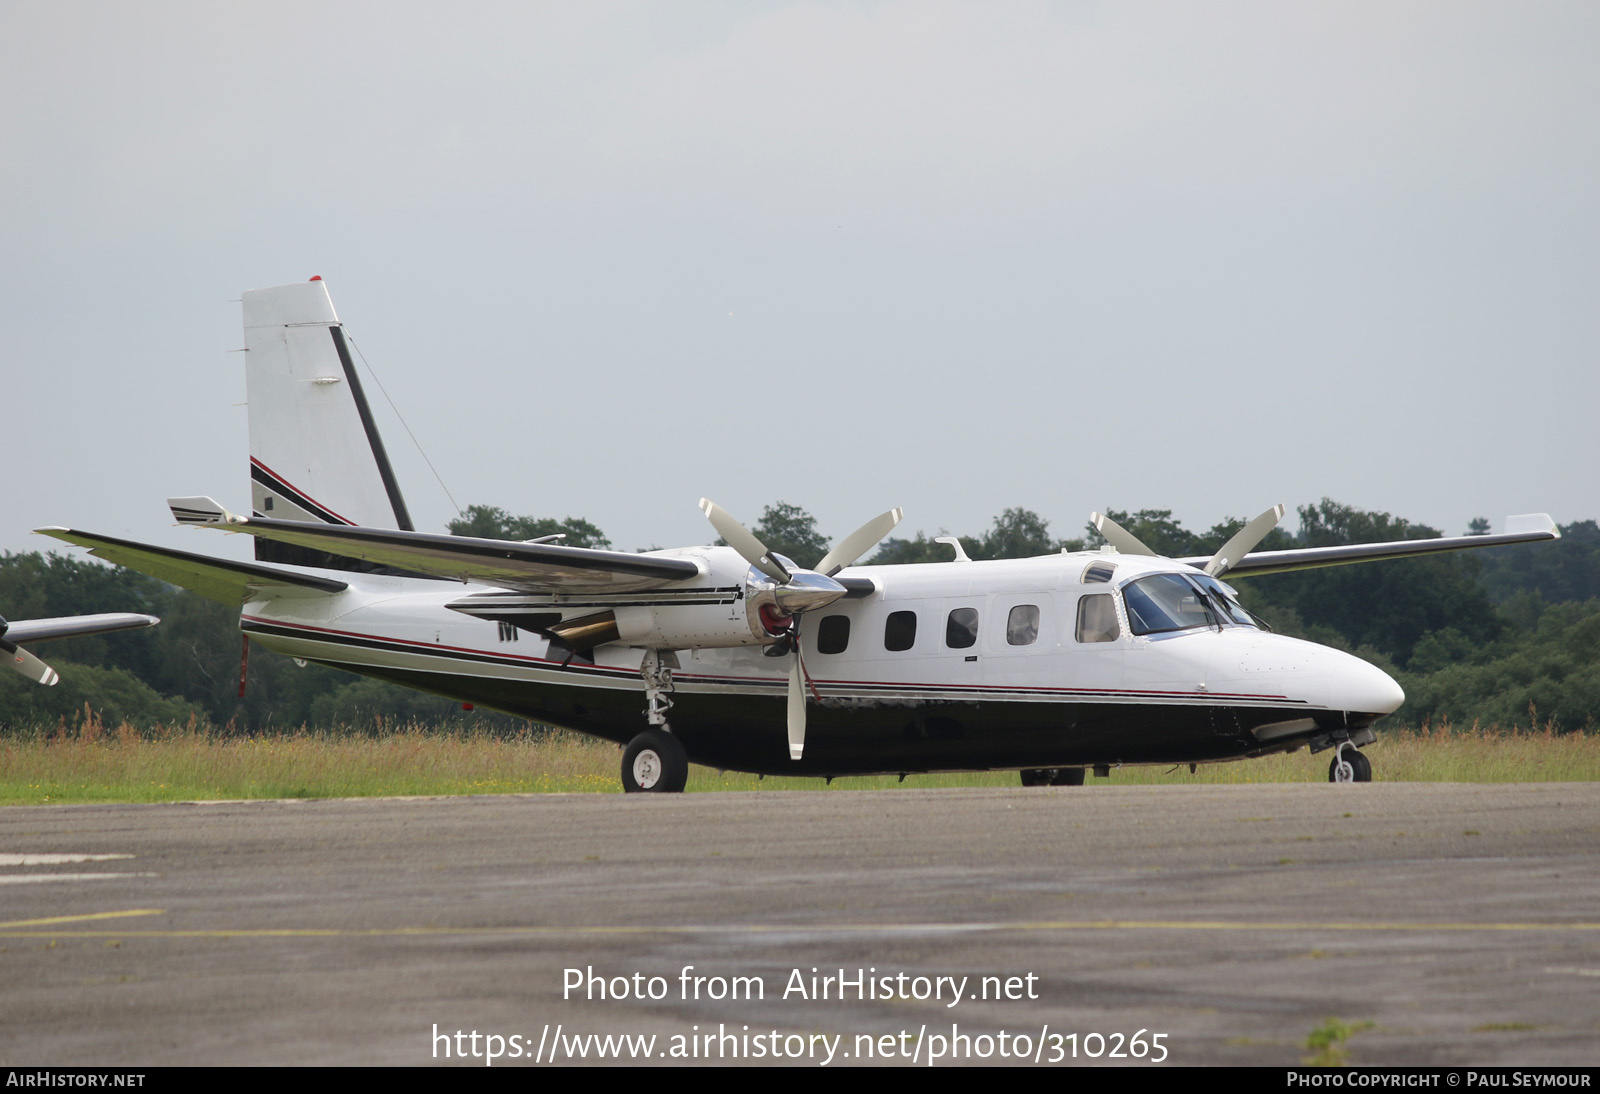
x: 7, y: 930
x: 80, y: 918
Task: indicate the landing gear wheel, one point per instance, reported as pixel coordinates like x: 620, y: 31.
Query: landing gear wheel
x: 1349, y: 766
x: 654, y: 762
x: 1052, y: 776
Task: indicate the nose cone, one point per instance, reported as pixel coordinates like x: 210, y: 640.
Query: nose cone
x: 1365, y: 689
x: 807, y: 591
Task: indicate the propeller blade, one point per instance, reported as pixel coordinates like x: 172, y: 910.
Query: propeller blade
x: 739, y: 538
x: 27, y: 664
x: 858, y: 543
x: 1243, y: 541
x: 797, y: 709
x: 1118, y: 536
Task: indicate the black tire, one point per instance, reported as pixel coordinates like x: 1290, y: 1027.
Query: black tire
x: 1067, y: 776
x: 1360, y: 768
x: 654, y: 763
x: 1035, y: 776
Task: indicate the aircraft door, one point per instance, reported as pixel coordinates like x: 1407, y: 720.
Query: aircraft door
x: 1098, y: 644
x: 1022, y: 637
x: 962, y: 624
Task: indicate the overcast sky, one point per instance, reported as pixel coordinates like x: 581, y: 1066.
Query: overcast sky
x: 609, y: 258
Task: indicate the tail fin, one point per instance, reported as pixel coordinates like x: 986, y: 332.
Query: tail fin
x: 315, y: 453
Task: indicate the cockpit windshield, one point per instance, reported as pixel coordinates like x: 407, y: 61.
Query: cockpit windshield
x: 1179, y: 602
x: 1224, y: 600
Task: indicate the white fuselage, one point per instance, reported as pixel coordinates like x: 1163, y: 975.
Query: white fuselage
x: 946, y: 665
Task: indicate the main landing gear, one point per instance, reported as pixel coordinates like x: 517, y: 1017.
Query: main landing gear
x: 1349, y: 766
x: 1052, y: 776
x: 655, y: 760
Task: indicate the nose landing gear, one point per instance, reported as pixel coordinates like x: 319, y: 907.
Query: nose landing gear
x: 1052, y: 776
x: 1349, y: 765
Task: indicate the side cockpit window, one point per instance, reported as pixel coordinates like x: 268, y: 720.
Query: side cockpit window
x: 1097, y: 618
x: 1098, y: 573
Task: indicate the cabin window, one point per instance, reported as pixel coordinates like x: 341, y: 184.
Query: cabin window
x: 1022, y: 626
x: 1097, y: 618
x: 900, y: 632
x: 1098, y: 572
x: 833, y: 634
x: 961, y: 629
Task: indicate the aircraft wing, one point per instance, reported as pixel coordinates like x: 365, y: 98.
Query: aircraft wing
x: 1531, y: 528
x: 74, y: 626
x: 42, y: 630
x: 227, y: 582
x: 525, y: 567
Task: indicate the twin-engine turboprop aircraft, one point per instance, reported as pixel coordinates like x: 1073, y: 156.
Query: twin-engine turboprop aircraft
x: 1048, y: 665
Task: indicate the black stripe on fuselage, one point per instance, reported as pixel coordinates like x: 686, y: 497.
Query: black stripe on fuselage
x: 507, y: 604
x: 939, y: 729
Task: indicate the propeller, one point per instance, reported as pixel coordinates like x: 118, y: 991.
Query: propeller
x: 798, y: 590
x: 1243, y: 542
x: 25, y: 662
x: 1227, y: 556
x: 1118, y: 536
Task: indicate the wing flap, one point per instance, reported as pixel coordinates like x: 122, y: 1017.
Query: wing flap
x: 222, y: 580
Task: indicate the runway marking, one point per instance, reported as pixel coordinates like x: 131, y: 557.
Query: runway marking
x: 80, y: 918
x: 10, y: 930
x: 50, y: 858
x: 25, y: 879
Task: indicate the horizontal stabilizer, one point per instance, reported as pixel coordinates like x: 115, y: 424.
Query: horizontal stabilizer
x: 224, y: 581
x: 527, y: 567
x: 1529, y: 528
x: 200, y: 510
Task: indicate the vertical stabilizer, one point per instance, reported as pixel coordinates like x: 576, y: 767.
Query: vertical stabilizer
x: 315, y: 453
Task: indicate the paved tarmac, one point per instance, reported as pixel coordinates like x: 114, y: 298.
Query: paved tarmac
x: 1461, y: 922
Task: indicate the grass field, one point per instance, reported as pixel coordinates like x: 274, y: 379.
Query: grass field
x: 93, y: 764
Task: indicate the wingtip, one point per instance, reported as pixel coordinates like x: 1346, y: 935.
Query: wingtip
x: 1532, y: 522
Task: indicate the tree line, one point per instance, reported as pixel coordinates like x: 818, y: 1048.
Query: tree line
x: 1508, y: 635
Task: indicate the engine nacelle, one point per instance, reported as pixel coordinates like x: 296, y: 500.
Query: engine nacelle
x: 730, y: 604
x: 747, y: 614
